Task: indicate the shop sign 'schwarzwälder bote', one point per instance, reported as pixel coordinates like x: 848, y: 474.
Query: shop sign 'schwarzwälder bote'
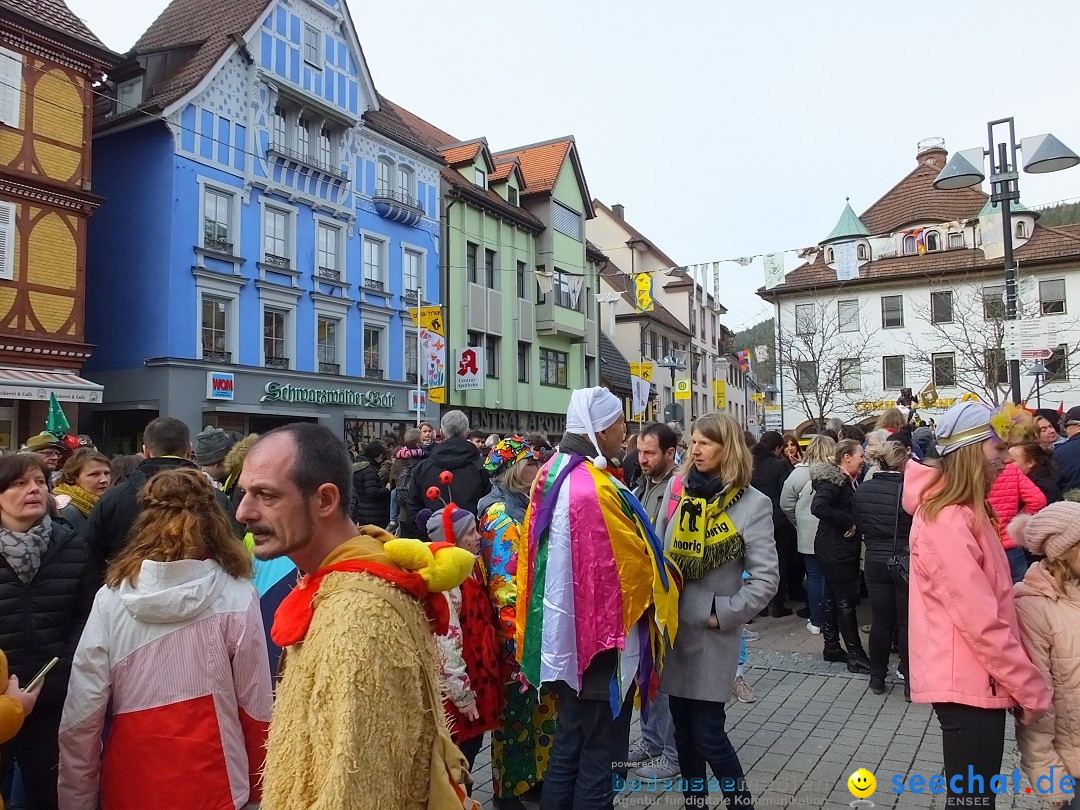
x: 276, y: 392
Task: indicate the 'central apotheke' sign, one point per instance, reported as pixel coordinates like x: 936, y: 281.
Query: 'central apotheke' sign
x: 287, y: 392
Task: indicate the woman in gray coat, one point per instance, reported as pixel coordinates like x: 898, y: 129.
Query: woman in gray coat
x: 795, y: 500
x: 715, y: 526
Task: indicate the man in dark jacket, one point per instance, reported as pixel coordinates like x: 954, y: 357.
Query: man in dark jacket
x: 370, y: 502
x: 770, y: 473
x: 455, y: 455
x: 1067, y: 455
x: 166, y: 445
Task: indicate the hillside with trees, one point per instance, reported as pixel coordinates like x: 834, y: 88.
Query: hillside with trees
x: 760, y: 334
x: 1060, y: 214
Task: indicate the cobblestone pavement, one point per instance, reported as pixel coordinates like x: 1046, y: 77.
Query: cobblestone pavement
x: 812, y: 726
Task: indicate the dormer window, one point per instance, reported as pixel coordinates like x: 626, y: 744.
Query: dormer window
x: 910, y: 246
x: 511, y: 195
x: 1021, y: 230
x: 828, y: 256
x: 479, y: 178
x: 933, y: 241
x: 312, y: 46
x: 129, y: 95
x: 956, y: 240
x: 860, y: 251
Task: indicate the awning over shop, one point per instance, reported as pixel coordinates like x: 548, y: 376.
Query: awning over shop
x: 28, y: 383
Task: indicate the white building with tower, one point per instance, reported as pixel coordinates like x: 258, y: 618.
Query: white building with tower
x: 911, y: 295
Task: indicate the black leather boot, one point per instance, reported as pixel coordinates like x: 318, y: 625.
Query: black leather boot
x: 848, y: 624
x: 829, y: 631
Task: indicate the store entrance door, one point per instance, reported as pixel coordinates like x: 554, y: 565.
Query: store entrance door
x: 9, y: 425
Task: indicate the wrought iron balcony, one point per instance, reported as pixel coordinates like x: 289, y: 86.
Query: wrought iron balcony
x: 373, y: 284
x: 398, y: 206
x: 329, y: 368
x: 373, y: 373
x: 328, y: 272
x: 276, y: 261
x: 411, y: 295
x: 216, y: 357
x: 410, y: 376
x: 307, y: 160
x: 277, y: 362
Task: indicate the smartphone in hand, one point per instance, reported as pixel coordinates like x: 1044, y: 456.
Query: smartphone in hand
x: 39, y: 679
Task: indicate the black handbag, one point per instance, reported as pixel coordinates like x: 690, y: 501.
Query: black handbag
x: 898, y: 564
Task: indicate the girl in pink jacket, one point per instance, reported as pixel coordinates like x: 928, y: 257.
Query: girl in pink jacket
x: 1011, y: 494
x: 965, y: 652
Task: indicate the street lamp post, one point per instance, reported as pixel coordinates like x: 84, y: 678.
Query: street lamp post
x: 1039, y: 371
x: 1042, y: 153
x: 674, y: 364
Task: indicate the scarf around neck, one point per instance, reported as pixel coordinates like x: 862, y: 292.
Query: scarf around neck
x: 24, y: 550
x: 81, y: 499
x: 704, y: 536
x: 514, y: 503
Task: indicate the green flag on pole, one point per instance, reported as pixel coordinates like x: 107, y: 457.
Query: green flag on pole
x: 57, y: 424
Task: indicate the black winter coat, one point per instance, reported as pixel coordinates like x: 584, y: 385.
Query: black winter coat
x: 770, y: 473
x: 471, y: 482
x: 833, y: 491
x: 874, y: 505
x: 1048, y: 484
x: 45, y: 617
x: 114, y: 514
x: 370, y: 501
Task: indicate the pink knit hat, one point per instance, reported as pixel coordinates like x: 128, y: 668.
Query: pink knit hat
x: 1052, y: 531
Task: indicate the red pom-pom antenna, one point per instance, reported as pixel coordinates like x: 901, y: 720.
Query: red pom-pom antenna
x: 433, y: 493
x: 446, y: 477
x: 71, y: 442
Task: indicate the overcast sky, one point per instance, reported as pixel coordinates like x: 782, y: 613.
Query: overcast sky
x: 725, y: 128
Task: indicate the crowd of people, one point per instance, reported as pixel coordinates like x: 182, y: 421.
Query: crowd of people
x: 303, y: 627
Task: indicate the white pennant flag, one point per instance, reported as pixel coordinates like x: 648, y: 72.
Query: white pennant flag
x: 846, y: 261
x: 640, y: 389
x: 575, y: 290
x: 774, y: 270
x: 716, y: 282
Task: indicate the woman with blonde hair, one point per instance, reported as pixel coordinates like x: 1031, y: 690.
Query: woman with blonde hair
x: 967, y: 658
x: 173, y: 660
x: 795, y: 501
x: 83, y: 479
x: 892, y: 420
x: 716, y: 526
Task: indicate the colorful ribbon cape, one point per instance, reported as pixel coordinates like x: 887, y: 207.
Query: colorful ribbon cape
x: 583, y: 597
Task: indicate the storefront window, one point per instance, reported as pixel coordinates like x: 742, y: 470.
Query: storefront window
x: 360, y: 431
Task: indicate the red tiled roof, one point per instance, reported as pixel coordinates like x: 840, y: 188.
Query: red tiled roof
x: 502, y: 170
x: 427, y: 132
x: 464, y: 153
x: 914, y: 198
x: 1045, y: 244
x: 540, y: 163
x: 486, y: 198
x: 56, y: 15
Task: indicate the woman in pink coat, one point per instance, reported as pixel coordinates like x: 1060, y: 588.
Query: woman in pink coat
x: 965, y: 652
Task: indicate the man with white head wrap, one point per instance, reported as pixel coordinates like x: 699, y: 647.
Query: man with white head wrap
x: 597, y: 602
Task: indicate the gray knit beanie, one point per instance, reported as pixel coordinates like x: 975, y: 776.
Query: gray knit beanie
x: 211, y: 446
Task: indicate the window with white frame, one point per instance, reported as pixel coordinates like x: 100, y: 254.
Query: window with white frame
x: 1052, y: 296
x: 479, y: 177
x: 850, y: 374
x: 511, y: 195
x: 373, y: 264
x: 892, y: 312
x: 553, y: 367
x: 129, y: 95
x: 1021, y: 230
x: 956, y: 240
x: 11, y: 68
x: 405, y: 184
x: 303, y: 136
x: 412, y: 374
x: 327, y: 249
x: 848, y: 312
x: 933, y: 241
x: 805, y: 320
x: 326, y: 148
x: 281, y: 128
x: 383, y: 170
x: 860, y: 252
x: 312, y: 46
x: 943, y: 366
x: 893, y: 370
x: 830, y: 256
x: 806, y: 374
x: 566, y: 220
x: 7, y: 240
x: 993, y: 301
x: 274, y: 325
x: 910, y: 246
x: 326, y: 337
x: 276, y: 236
x: 410, y: 272
x: 373, y: 342
x: 217, y: 220
x: 215, y: 329
x: 941, y: 306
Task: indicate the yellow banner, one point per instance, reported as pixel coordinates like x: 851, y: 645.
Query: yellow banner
x: 429, y: 320
x: 682, y: 389
x: 758, y: 398
x: 642, y: 370
x: 720, y: 394
x: 643, y: 293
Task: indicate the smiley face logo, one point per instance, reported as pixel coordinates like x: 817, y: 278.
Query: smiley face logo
x: 861, y: 784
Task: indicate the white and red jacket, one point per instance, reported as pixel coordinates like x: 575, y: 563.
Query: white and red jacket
x: 176, y: 668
